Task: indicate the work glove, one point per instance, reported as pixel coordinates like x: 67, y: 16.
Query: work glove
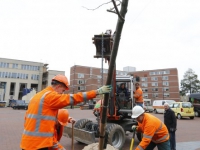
x: 134, y: 127
x: 104, y: 89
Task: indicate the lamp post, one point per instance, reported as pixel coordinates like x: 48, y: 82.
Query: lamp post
x: 162, y: 84
x: 74, y: 69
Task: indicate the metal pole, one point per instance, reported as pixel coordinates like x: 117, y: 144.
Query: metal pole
x: 102, y: 50
x: 162, y: 84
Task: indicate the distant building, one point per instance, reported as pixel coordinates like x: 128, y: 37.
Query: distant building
x: 159, y: 84
x: 156, y: 84
x: 16, y: 75
x: 129, y: 69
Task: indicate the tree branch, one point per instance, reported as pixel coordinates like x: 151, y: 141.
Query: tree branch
x: 119, y: 15
x: 97, y: 7
x: 111, y: 11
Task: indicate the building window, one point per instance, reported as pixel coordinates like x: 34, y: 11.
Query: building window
x: 145, y: 95
x: 144, y: 79
x: 154, y: 83
x: 154, y: 78
x: 26, y: 76
x: 154, y: 95
x: 98, y: 80
x: 15, y: 66
x: 152, y: 73
x: 144, y: 85
x: 166, y: 89
x: 80, y: 75
x: 80, y: 81
x: 12, y: 88
x: 166, y: 94
x: 105, y: 71
x: 165, y: 83
x: 165, y: 78
x: 154, y: 89
x: 144, y: 89
x: 98, y: 77
x: 80, y: 88
x: 166, y: 72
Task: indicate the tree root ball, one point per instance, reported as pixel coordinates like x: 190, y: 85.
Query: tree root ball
x: 95, y: 146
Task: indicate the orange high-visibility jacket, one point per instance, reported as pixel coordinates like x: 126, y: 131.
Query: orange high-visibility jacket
x: 153, y: 129
x: 40, y: 117
x: 138, y: 95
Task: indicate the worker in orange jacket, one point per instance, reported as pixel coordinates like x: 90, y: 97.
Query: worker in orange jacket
x: 138, y: 95
x: 40, y: 118
x: 62, y: 120
x: 154, y: 131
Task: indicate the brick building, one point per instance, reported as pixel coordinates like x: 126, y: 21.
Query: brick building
x: 156, y: 84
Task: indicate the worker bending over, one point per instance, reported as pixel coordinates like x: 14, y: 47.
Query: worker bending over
x: 62, y: 120
x: 154, y: 131
x: 40, y: 118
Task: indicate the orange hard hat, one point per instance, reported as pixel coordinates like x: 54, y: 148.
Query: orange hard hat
x: 63, y: 79
x: 63, y: 116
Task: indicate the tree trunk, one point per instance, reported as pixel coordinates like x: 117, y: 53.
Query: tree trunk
x: 116, y: 39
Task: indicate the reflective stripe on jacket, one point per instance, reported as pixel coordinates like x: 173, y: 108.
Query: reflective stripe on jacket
x: 138, y: 95
x: 40, y: 117
x: 153, y: 129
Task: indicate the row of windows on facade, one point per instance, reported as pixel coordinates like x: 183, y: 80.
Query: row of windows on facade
x: 156, y: 95
x: 159, y: 72
x: 150, y: 73
x: 164, y: 83
x: 144, y: 79
x: 81, y: 75
x: 23, y: 67
x: 155, y: 89
x: 18, y: 75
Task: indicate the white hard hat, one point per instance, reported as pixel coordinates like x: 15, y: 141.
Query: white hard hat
x: 137, y: 111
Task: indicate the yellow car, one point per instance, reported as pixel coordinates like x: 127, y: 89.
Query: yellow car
x: 183, y: 109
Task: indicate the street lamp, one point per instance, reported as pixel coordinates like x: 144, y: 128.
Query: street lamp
x: 162, y: 84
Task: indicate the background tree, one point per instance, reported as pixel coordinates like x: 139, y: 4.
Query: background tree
x: 190, y: 83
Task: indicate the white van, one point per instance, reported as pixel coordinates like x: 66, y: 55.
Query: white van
x: 158, y: 105
x: 147, y: 105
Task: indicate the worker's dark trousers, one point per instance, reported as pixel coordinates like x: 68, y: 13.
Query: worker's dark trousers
x: 161, y: 146
x: 172, y: 140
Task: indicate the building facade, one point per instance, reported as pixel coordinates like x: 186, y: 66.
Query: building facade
x: 16, y: 75
x: 159, y: 84
x: 156, y: 84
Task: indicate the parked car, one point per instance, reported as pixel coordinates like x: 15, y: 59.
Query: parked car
x: 194, y: 98
x: 19, y: 104
x: 183, y: 109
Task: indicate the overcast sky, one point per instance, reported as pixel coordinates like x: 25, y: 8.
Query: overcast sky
x: 157, y: 34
